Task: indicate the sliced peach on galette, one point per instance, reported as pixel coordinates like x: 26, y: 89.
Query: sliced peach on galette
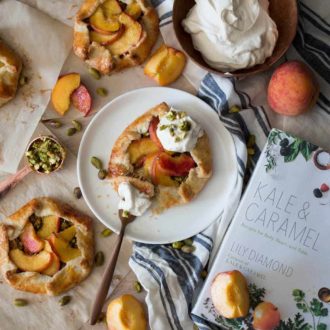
x: 50, y: 224
x: 51, y: 241
x: 30, y: 240
x: 178, y: 173
x: 103, y: 24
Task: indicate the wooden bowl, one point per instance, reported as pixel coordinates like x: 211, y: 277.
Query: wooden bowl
x: 283, y: 12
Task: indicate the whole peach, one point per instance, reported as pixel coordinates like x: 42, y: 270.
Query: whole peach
x: 266, y: 316
x: 292, y: 89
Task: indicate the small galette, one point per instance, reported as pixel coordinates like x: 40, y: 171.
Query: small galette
x: 110, y: 35
x: 46, y: 247
x: 164, y: 156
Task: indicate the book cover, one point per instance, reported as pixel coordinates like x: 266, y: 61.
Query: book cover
x: 280, y: 238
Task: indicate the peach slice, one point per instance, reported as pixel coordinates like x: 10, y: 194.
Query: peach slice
x: 126, y: 313
x: 30, y: 263
x: 175, y: 166
x: 55, y: 264
x: 30, y: 240
x: 104, y: 24
x: 111, y: 7
x: 134, y: 10
x: 50, y: 224
x: 140, y: 148
x: 62, y: 91
x: 82, y: 100
x: 152, y: 132
x: 230, y: 295
x: 67, y: 234
x: 131, y: 36
x: 266, y: 316
x: 106, y: 39
x: 152, y: 171
x: 165, y: 65
x: 63, y: 249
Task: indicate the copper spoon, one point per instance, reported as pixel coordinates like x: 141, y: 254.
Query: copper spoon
x: 109, y: 269
x: 12, y: 180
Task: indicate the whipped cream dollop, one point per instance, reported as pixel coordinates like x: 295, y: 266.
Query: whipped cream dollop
x: 178, y: 132
x: 132, y: 200
x: 232, y: 34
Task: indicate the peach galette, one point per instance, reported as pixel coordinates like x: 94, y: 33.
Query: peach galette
x: 10, y: 69
x: 164, y: 155
x: 46, y: 247
x: 110, y: 35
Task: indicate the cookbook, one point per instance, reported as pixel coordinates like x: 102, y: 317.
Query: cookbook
x: 279, y: 238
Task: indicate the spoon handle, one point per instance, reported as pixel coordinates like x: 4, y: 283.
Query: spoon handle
x: 106, y: 279
x: 12, y: 180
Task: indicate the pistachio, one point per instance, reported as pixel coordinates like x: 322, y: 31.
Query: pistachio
x: 171, y: 115
x: 94, y: 73
x: 203, y: 274
x: 20, y: 302
x: 64, y: 300
x: 163, y: 127
x: 99, y: 259
x: 71, y: 131
x: 125, y: 214
x: 178, y: 179
x: 96, y: 162
x: 185, y: 126
x: 172, y: 131
x: 102, y: 174
x: 106, y: 232
x: 188, y: 241
x: 64, y: 224
x: 77, y: 125
x: 251, y: 141
x: 77, y: 192
x: 101, y: 91
x: 73, y: 243
x: 177, y: 245
x: 250, y: 151
x: 182, y: 114
x: 234, y: 109
x: 137, y: 286
x: 188, y: 249
x: 23, y: 80
x: 177, y: 139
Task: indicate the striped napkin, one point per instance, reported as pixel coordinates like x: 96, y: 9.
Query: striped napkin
x: 171, y: 277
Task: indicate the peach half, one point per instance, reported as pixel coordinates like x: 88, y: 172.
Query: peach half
x: 62, y: 91
x: 126, y: 313
x: 63, y: 249
x: 165, y: 65
x: 292, y: 89
x: 230, y: 295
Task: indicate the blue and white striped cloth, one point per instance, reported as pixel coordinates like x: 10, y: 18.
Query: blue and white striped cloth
x: 170, y: 277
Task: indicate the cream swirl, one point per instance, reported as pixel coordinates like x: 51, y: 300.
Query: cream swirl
x: 232, y: 34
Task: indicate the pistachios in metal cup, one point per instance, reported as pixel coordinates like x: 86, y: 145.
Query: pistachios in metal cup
x: 45, y: 155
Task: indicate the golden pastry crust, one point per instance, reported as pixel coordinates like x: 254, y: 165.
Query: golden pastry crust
x: 74, y: 271
x: 119, y: 166
x: 99, y: 56
x: 10, y: 70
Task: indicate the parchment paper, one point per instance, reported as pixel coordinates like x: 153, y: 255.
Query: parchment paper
x: 43, y: 44
x: 44, y: 312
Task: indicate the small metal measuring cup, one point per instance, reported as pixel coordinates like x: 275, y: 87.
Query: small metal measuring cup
x: 12, y: 180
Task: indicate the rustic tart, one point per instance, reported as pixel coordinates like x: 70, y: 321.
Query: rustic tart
x: 46, y: 247
x: 144, y: 157
x: 10, y: 70
x: 110, y: 35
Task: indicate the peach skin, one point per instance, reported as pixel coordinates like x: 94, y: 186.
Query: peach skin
x: 292, y: 89
x: 266, y: 316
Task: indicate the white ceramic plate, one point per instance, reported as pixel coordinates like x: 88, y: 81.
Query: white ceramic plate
x: 176, y: 223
